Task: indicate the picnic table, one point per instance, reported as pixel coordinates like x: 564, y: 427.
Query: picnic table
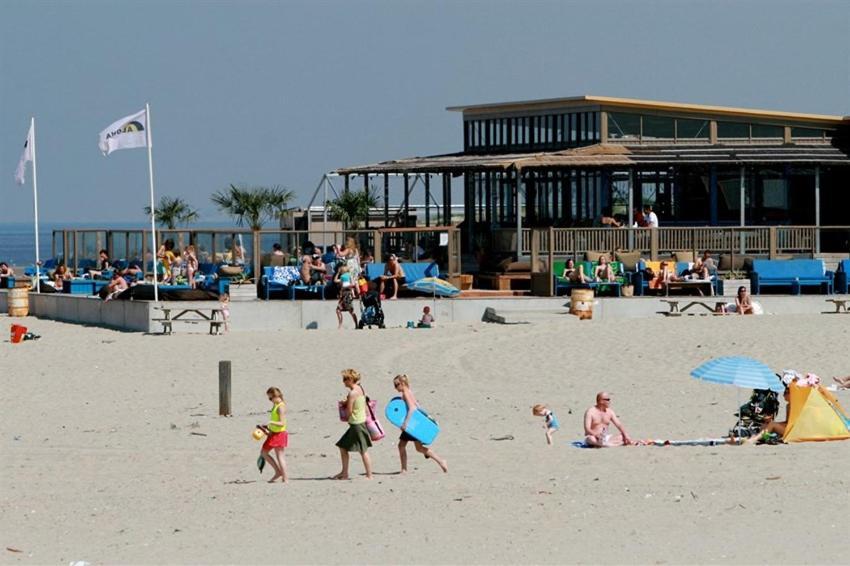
x: 191, y: 315
x: 673, y: 305
x: 840, y: 305
x: 697, y: 284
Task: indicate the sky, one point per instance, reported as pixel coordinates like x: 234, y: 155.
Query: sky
x: 278, y: 93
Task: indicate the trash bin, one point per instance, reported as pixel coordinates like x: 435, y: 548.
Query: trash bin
x: 581, y: 303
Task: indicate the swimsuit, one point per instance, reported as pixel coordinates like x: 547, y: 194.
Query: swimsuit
x: 552, y: 421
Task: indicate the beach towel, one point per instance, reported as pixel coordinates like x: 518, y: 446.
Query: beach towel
x: 661, y: 442
x: 285, y: 275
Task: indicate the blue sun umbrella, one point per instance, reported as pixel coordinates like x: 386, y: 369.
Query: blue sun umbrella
x: 739, y: 371
x: 434, y: 286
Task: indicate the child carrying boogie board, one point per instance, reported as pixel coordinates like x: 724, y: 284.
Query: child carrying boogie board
x: 402, y: 385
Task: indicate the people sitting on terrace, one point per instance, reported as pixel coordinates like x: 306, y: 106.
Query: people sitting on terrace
x: 306, y: 269
x: 699, y: 270
x: 603, y: 271
x: 131, y: 272
x: 60, y: 275
x: 103, y: 264
x: 368, y: 257
x: 190, y: 260
x: 650, y: 217
x: 318, y: 270
x: 665, y: 275
x: 639, y: 218
x: 708, y: 261
x: 393, y: 274
x: 572, y: 273
x: 5, y: 270
x: 277, y: 250
x: 115, y: 287
x: 607, y: 220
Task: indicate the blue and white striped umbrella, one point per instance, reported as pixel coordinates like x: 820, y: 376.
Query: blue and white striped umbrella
x: 739, y: 371
x: 434, y: 286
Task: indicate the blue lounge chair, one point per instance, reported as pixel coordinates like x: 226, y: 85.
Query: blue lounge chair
x: 792, y: 273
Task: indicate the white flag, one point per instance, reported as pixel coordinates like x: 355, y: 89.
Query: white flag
x: 127, y: 133
x: 20, y: 172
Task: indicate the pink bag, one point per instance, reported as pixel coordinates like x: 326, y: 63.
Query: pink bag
x: 376, y: 431
x: 343, y: 411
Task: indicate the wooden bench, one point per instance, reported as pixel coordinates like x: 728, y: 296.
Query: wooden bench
x: 674, y: 310
x: 503, y: 281
x: 182, y: 315
x: 840, y: 306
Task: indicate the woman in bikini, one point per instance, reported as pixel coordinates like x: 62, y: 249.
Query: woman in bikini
x: 603, y: 270
x: 573, y: 273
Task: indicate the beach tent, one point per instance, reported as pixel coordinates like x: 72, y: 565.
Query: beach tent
x: 815, y: 415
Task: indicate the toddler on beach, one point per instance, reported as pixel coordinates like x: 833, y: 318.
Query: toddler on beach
x: 550, y: 422
x: 224, y: 305
x: 427, y: 318
x: 277, y: 438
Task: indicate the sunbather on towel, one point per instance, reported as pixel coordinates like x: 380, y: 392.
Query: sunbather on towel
x: 843, y: 382
x: 597, y: 420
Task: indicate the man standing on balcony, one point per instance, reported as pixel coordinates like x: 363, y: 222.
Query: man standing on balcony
x: 650, y: 217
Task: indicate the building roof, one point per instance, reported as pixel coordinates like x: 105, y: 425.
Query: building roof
x: 608, y: 155
x: 650, y: 105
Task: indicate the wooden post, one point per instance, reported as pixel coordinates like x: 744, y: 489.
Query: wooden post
x: 257, y: 257
x: 377, y: 244
x: 224, y: 407
x: 551, y: 261
x: 406, y: 202
x: 366, y: 190
x: 386, y: 202
x: 428, y: 199
x: 653, y: 244
x: 771, y: 246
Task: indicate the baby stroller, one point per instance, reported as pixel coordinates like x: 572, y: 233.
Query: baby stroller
x: 371, y: 313
x: 752, y: 415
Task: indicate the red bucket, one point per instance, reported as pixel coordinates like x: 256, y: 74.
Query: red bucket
x: 17, y: 333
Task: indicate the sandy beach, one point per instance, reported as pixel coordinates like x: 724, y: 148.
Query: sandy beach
x: 113, y: 451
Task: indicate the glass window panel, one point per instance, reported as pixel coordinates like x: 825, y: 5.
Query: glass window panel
x: 594, y: 125
x: 657, y: 127
x: 623, y: 126
x: 733, y: 130
x: 767, y: 131
x: 692, y: 129
x: 806, y: 133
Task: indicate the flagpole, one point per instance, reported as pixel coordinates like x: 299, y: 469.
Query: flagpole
x: 153, y: 212
x: 35, y: 209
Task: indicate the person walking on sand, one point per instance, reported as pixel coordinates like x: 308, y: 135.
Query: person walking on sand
x: 402, y: 385
x: 597, y: 419
x: 277, y: 438
x: 356, y: 438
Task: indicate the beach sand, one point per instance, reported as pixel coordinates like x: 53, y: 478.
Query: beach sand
x: 112, y: 450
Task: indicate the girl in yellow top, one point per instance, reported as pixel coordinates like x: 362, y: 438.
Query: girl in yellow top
x: 277, y: 438
x: 356, y: 438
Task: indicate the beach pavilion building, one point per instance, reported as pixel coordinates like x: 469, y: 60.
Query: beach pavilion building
x: 560, y: 163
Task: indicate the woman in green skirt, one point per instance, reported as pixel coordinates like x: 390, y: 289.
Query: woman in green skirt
x: 356, y: 438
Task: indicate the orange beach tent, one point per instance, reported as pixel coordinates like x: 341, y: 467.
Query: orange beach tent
x: 815, y: 415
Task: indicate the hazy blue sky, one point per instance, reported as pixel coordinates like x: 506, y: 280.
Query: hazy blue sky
x: 280, y: 92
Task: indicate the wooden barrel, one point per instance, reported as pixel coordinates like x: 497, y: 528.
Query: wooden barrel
x: 581, y: 303
x: 19, y: 301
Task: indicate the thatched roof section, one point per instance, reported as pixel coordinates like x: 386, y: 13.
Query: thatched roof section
x: 612, y: 155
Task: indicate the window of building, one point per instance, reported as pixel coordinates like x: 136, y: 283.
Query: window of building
x: 733, y: 130
x: 655, y: 127
x: 692, y: 129
x: 767, y: 131
x: 623, y: 126
x: 807, y: 133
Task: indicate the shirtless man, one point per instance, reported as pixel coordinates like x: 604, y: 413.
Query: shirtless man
x: 597, y: 419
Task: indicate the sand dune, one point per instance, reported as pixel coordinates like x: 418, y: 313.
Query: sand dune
x: 101, y: 463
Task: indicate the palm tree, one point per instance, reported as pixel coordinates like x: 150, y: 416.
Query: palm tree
x: 253, y: 205
x: 352, y: 208
x: 173, y: 210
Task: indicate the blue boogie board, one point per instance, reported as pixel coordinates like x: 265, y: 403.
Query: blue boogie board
x: 421, y: 427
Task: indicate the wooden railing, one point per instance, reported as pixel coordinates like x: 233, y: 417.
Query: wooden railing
x: 768, y: 241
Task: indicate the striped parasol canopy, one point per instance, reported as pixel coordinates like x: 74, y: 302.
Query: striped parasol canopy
x: 739, y: 371
x: 434, y: 286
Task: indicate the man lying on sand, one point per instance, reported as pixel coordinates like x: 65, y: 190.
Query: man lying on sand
x: 597, y: 419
